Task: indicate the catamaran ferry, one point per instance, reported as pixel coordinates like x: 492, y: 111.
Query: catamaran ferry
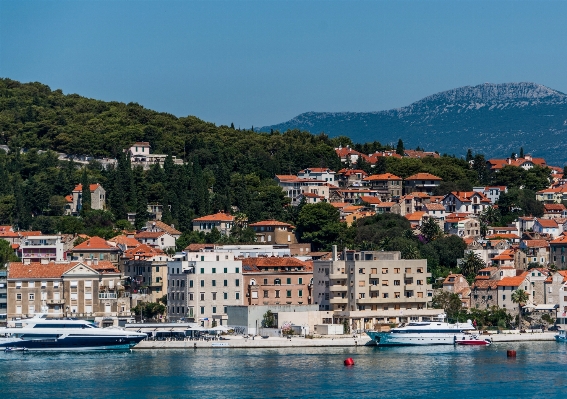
x: 435, y: 332
x: 41, y: 334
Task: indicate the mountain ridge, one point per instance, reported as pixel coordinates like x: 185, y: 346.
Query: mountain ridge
x: 493, y: 119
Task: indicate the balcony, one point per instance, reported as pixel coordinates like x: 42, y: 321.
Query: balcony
x: 55, y: 301
x: 374, y: 288
x: 375, y: 276
x: 338, y: 276
x: 107, y: 295
x: 338, y: 288
x: 338, y: 301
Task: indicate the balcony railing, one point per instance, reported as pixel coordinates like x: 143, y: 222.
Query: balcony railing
x: 55, y: 301
x: 107, y: 295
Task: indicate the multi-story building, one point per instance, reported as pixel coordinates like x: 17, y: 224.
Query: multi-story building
x: 96, y: 248
x: 323, y: 174
x: 274, y: 232
x: 458, y: 284
x: 221, y: 221
x: 531, y: 281
x: 35, y: 248
x: 466, y: 202
x: 277, y: 281
x: 71, y: 289
x: 421, y: 182
x: 140, y: 156
x: 557, y: 252
x: 145, y: 272
x: 156, y: 239
x: 371, y: 287
x: 202, y: 284
x: 75, y: 200
x: 3, y: 296
x: 389, y: 186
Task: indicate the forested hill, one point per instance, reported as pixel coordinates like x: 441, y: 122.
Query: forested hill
x: 492, y: 119
x: 32, y: 116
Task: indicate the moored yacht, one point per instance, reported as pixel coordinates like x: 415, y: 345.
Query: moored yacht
x: 39, y: 333
x: 435, y: 332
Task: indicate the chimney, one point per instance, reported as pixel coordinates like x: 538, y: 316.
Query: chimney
x: 27, y: 261
x: 96, y: 262
x: 44, y: 261
x: 89, y: 262
x: 334, y: 253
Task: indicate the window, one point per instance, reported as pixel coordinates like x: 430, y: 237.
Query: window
x: 385, y: 283
x: 225, y: 295
x: 397, y: 270
x: 288, y: 294
x: 31, y: 284
x: 396, y: 282
x: 202, y: 310
x: 214, y: 268
x: 190, y: 297
x: 277, y: 293
x: 214, y: 283
x: 361, y: 283
x: 214, y: 296
x: 190, y: 283
x: 225, y: 283
x: 32, y: 297
x: 202, y: 269
x: 396, y: 294
x: 266, y: 294
x: 202, y: 283
x: 385, y: 295
x: 408, y: 269
x: 226, y: 270
x: 237, y: 270
x: 44, y: 284
x: 214, y: 309
x: 288, y: 280
x: 237, y: 295
x: 503, y: 297
x: 74, y: 284
x: 18, y: 297
x: 237, y: 282
x: 384, y: 271
x: 419, y: 282
x: 202, y: 296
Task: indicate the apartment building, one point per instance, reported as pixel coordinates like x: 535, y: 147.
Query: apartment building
x: 202, y: 284
x: 145, y: 272
x: 35, y: 248
x: 373, y: 287
x: 66, y: 289
x: 3, y: 296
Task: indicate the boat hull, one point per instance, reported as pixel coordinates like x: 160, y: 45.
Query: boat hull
x: 99, y: 343
x: 411, y: 339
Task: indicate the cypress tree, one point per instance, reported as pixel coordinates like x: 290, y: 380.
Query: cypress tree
x: 86, y: 193
x: 400, y: 148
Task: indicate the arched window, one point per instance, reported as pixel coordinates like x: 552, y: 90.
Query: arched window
x: 252, y: 281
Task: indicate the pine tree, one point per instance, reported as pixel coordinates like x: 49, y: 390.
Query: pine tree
x: 521, y: 152
x: 469, y: 155
x: 400, y: 148
x: 86, y: 193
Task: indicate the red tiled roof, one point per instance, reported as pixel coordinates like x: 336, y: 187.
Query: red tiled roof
x: 30, y: 233
x: 548, y: 223
x: 560, y: 240
x: 423, y: 176
x: 165, y: 227
x: 316, y: 170
x: 384, y: 176
x: 508, y: 236
x: 513, y: 281
x: 143, y: 250
x: 466, y: 196
x: 270, y: 222
x: 37, y: 270
x: 198, y: 247
x: 149, y: 234
x: 416, y: 216
x: 536, y: 243
x: 370, y: 199
x: 92, y: 244
x: 217, y: 217
x: 125, y: 240
x: 274, y: 262
x: 484, y: 284
x: 92, y: 187
x: 434, y: 207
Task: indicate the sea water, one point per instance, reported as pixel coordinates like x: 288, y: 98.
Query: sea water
x: 538, y: 371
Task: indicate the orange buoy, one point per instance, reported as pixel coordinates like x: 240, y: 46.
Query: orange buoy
x: 511, y: 353
x: 349, y: 362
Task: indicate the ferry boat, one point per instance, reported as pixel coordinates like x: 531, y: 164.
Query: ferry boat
x: 42, y: 334
x: 472, y: 339
x: 435, y: 332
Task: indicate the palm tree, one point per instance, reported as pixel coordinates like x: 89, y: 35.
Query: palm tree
x: 520, y: 297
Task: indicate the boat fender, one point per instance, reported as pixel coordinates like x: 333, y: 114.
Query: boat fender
x: 511, y: 353
x: 349, y: 362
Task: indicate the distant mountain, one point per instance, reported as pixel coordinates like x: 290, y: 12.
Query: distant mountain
x: 492, y: 119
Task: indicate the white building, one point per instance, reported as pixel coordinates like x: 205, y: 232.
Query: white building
x: 491, y: 192
x: 322, y: 174
x: 41, y: 247
x: 202, y: 284
x: 140, y: 156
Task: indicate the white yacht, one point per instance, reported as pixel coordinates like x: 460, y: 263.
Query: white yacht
x: 41, y: 334
x: 435, y: 332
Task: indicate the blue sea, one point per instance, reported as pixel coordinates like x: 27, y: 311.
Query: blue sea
x: 538, y: 371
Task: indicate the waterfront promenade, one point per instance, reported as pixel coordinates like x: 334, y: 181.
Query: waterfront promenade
x: 279, y: 342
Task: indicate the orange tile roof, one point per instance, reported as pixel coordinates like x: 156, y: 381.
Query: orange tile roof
x: 513, y: 281
x: 370, y: 199
x: 92, y: 187
x: 165, y: 227
x: 217, y: 217
x: 466, y: 196
x: 271, y: 222
x: 36, y: 270
x: 316, y: 170
x: 548, y: 223
x: 423, y: 176
x: 30, y: 233
x: 143, y: 250
x: 93, y: 244
x: 125, y: 240
x: 508, y: 236
x: 339, y: 204
x: 415, y: 217
x: 454, y: 277
x: 484, y: 284
x: 435, y: 207
x: 554, y: 207
x: 536, y: 243
x: 149, y: 234
x: 198, y: 247
x: 274, y: 262
x: 560, y: 240
x: 384, y: 176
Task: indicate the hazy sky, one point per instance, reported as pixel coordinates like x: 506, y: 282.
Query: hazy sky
x: 264, y: 62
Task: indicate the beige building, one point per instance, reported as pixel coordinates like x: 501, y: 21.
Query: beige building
x: 371, y: 287
x: 221, y: 221
x: 274, y: 232
x: 458, y: 284
x: 201, y: 286
x: 75, y: 200
x: 96, y: 248
x: 72, y: 289
x: 388, y: 185
x: 145, y: 272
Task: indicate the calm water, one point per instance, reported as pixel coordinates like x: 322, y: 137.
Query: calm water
x: 540, y: 370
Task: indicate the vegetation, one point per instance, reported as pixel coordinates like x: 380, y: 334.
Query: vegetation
x: 521, y: 298
x: 149, y: 310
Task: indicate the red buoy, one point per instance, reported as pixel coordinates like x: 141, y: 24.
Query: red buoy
x: 511, y: 353
x: 349, y: 362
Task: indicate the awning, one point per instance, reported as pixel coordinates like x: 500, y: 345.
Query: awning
x: 546, y: 307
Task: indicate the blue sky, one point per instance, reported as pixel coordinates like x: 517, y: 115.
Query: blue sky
x: 264, y: 62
